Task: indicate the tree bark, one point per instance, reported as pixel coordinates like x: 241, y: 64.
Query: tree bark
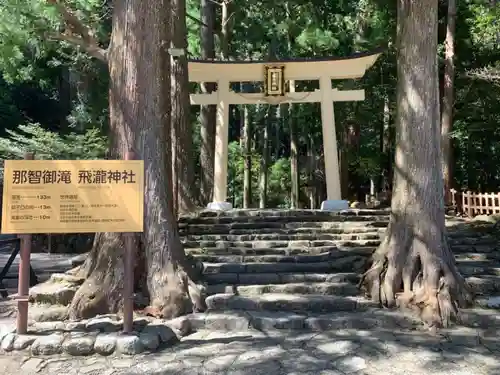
x: 294, y: 162
x: 207, y: 112
x: 225, y: 29
x: 311, y: 166
x: 414, y: 265
x: 139, y: 67
x: 448, y: 99
x: 182, y: 136
x: 386, y: 145
x: 247, y: 150
x: 344, y: 171
x: 264, y: 163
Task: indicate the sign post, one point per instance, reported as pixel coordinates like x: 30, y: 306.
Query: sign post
x: 128, y: 287
x: 73, y: 196
x: 23, y: 287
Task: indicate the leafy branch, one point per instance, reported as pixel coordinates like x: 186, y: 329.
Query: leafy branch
x: 77, y: 33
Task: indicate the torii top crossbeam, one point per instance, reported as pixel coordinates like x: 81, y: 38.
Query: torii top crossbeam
x: 349, y: 67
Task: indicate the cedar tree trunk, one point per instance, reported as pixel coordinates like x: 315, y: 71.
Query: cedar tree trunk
x: 207, y: 112
x: 414, y: 265
x: 139, y: 67
x: 448, y: 99
x: 182, y: 135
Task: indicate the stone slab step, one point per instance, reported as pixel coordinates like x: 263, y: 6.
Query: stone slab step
x: 382, y: 219
x: 284, y: 251
x: 478, y: 256
x: 478, y: 271
x: 256, y: 212
x: 275, y: 247
x: 282, y: 257
x: 286, y: 227
x: 477, y: 263
x: 275, y: 244
x: 267, y: 320
x: 460, y: 249
x: 350, y: 263
x: 327, y: 288
x: 484, y: 285
x: 284, y: 237
x: 280, y: 278
x: 287, y: 302
x: 473, y: 241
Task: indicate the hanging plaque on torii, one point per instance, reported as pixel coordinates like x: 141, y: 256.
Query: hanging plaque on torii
x: 274, y: 80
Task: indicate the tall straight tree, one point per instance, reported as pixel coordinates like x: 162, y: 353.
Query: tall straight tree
x: 414, y: 265
x: 139, y: 104
x: 182, y: 136
x: 207, y: 112
x: 448, y: 98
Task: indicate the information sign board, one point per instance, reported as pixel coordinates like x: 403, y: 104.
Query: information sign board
x: 73, y: 196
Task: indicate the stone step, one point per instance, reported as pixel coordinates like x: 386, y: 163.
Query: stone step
x: 280, y: 243
x: 275, y: 213
x: 284, y: 237
x: 280, y: 278
x: 457, y: 245
x: 248, y: 251
x: 478, y: 256
x: 268, y: 320
x: 484, y: 285
x: 316, y: 228
x: 382, y: 219
x: 475, y: 267
x: 349, y: 263
x: 327, y: 288
x: 287, y: 302
x: 286, y: 227
x: 461, y: 249
x: 473, y: 241
x: 329, y: 254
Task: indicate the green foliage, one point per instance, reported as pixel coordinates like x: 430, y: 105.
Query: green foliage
x: 236, y: 166
x: 49, y: 145
x: 279, y: 184
x: 62, y: 93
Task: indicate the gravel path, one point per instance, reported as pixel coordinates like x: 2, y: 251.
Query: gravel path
x: 399, y: 351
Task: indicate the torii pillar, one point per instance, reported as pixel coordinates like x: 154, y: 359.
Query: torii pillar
x: 221, y: 149
x: 332, y: 170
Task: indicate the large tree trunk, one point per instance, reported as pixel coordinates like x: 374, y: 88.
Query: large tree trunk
x: 182, y: 136
x: 207, y: 112
x: 414, y: 265
x: 139, y: 67
x: 448, y: 99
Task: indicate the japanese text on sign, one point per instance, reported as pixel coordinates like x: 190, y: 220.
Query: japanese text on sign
x: 65, y: 177
x: 60, y: 196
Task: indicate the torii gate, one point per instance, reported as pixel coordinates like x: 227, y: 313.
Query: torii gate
x: 274, y: 74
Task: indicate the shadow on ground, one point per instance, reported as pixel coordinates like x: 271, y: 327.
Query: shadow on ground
x: 388, y: 343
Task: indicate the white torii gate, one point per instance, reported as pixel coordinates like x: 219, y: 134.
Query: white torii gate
x: 274, y: 75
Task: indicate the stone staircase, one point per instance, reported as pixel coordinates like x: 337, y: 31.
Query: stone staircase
x: 309, y: 261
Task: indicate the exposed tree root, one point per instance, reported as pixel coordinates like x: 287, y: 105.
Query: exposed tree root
x: 413, y: 277
x: 172, y: 290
